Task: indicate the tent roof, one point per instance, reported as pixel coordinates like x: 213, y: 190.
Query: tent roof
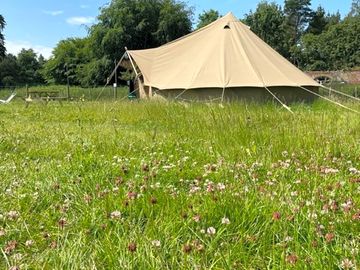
x: 223, y: 54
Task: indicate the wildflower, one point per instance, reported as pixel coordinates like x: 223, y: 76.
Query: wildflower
x: 211, y: 231
x: 276, y: 216
x: 132, y: 247
x: 347, y: 264
x: 288, y: 239
x: 15, y: 267
x: 329, y: 237
x: 330, y: 171
x: 10, y: 246
x: 29, y: 243
x: 210, y: 188
x: 197, y: 218
x: 187, y: 248
x: 17, y: 256
x: 87, y: 198
x: 132, y: 195
x: 225, y: 220
x: 156, y: 243
x: 13, y: 215
x: 356, y: 216
x: 62, y: 223
x: 221, y: 186
x: 53, y: 245
x: 292, y: 259
x: 202, y: 231
x: 145, y: 167
x: 115, y: 215
x: 153, y: 200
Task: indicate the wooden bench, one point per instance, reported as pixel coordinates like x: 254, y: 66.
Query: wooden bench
x: 45, y: 96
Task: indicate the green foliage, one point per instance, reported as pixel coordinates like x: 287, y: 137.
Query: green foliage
x: 29, y: 67
x: 9, y: 71
x: 132, y: 23
x: 318, y: 22
x: 174, y: 21
x: 23, y: 69
x: 207, y: 17
x: 2, y: 38
x: 298, y: 14
x: 355, y: 8
x: 268, y: 23
x: 68, y: 56
x: 94, y: 72
x: 335, y: 49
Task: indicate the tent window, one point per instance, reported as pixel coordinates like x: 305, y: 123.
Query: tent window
x: 227, y: 26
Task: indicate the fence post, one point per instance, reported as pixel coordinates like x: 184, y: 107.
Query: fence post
x: 68, y: 92
x: 116, y: 81
x: 356, y: 93
x: 27, y: 90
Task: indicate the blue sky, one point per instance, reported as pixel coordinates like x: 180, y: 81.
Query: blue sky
x: 41, y: 24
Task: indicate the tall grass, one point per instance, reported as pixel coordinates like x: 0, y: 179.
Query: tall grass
x: 150, y: 185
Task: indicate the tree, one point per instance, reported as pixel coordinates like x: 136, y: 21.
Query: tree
x: 207, y: 17
x: 138, y: 24
x: 9, y: 71
x: 68, y: 55
x: 355, y: 8
x: 318, y: 22
x: 268, y: 23
x: 174, y: 21
x: 2, y: 38
x: 298, y: 14
x: 29, y: 65
x: 332, y: 19
x: 335, y: 49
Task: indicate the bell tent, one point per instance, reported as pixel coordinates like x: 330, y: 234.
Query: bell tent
x: 224, y: 60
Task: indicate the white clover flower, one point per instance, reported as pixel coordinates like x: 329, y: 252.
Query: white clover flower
x: 225, y: 221
x: 29, y: 243
x: 156, y: 243
x: 211, y: 231
x: 115, y: 215
x: 347, y: 264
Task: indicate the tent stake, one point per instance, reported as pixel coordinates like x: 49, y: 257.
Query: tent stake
x: 282, y: 103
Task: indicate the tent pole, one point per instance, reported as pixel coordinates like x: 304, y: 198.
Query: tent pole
x: 110, y: 77
x: 132, y: 63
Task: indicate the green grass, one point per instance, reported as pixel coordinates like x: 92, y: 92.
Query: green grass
x: 289, y: 185
x: 76, y: 92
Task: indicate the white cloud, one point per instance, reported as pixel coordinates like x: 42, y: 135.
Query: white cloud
x: 84, y: 6
x: 14, y: 47
x: 80, y: 20
x: 53, y: 13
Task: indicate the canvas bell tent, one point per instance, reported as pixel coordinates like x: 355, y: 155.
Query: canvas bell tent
x: 224, y: 60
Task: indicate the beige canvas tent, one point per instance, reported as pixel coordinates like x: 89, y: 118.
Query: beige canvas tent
x: 224, y: 60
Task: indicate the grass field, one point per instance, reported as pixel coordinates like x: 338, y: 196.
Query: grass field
x: 146, y: 185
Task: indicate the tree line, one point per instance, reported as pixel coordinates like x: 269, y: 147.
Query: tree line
x: 311, y: 39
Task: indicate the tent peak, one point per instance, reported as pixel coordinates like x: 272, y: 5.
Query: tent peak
x: 230, y: 16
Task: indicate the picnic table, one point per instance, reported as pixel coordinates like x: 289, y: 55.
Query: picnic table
x: 43, y: 95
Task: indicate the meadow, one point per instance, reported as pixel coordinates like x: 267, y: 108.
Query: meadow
x: 150, y: 185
